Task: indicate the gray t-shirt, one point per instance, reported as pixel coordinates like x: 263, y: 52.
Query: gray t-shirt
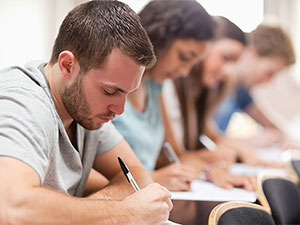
x: 32, y: 131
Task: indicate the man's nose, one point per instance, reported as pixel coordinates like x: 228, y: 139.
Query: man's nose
x: 118, y: 106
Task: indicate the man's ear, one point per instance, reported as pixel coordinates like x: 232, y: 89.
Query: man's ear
x: 67, y: 63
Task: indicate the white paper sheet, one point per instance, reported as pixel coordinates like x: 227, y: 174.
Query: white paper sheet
x: 168, y: 222
x: 244, y: 169
x: 272, y: 153
x: 205, y: 191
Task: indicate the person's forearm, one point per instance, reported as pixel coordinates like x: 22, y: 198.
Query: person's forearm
x: 43, y: 206
x: 245, y: 153
x: 235, y: 144
x: 259, y: 116
x: 193, y: 158
x: 95, y: 182
x: 119, y: 187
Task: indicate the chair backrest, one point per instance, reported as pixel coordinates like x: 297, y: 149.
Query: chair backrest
x: 239, y: 213
x: 296, y: 166
x: 292, y: 159
x: 280, y: 195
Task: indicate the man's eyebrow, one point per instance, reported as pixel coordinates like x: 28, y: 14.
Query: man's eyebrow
x: 115, y: 88
x: 120, y: 90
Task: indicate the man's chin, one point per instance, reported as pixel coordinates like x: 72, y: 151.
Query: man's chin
x: 99, y: 125
x: 93, y: 127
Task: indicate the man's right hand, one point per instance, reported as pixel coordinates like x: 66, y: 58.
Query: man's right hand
x: 150, y: 205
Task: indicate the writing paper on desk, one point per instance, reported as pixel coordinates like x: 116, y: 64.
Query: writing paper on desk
x: 168, y: 222
x: 245, y: 169
x: 272, y: 154
x: 205, y: 191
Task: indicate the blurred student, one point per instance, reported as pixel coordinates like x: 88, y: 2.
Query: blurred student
x: 179, y: 31
x: 191, y: 100
x: 54, y: 125
x: 269, y: 51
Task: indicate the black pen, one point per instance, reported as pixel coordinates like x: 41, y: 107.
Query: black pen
x: 133, y: 183
x: 170, y: 153
x: 128, y: 175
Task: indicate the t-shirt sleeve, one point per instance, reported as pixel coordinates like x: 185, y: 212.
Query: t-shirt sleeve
x: 26, y: 128
x: 109, y: 137
x: 243, y: 97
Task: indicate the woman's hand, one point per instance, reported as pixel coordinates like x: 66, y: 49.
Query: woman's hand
x: 224, y: 179
x: 250, y: 158
x: 266, y: 138
x: 222, y: 155
x: 175, y: 177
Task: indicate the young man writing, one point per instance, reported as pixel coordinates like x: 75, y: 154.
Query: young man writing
x: 54, y: 125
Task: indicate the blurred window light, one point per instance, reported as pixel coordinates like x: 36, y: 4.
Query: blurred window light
x: 137, y: 6
x: 247, y: 14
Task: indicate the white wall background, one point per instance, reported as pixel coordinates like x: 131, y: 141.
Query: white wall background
x: 28, y: 27
x: 279, y: 99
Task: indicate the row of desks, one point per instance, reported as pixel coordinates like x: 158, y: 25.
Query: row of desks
x: 194, y: 206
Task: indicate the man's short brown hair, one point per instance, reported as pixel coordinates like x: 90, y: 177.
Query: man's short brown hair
x: 272, y: 41
x: 93, y: 29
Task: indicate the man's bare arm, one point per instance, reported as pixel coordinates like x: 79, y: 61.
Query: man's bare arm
x: 119, y: 188
x: 24, y: 201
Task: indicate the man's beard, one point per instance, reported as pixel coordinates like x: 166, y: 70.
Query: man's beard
x: 77, y: 106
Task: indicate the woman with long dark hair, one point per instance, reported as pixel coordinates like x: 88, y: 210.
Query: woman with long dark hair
x: 180, y: 31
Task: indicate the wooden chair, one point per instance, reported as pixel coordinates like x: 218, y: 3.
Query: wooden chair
x: 239, y: 213
x: 280, y: 196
